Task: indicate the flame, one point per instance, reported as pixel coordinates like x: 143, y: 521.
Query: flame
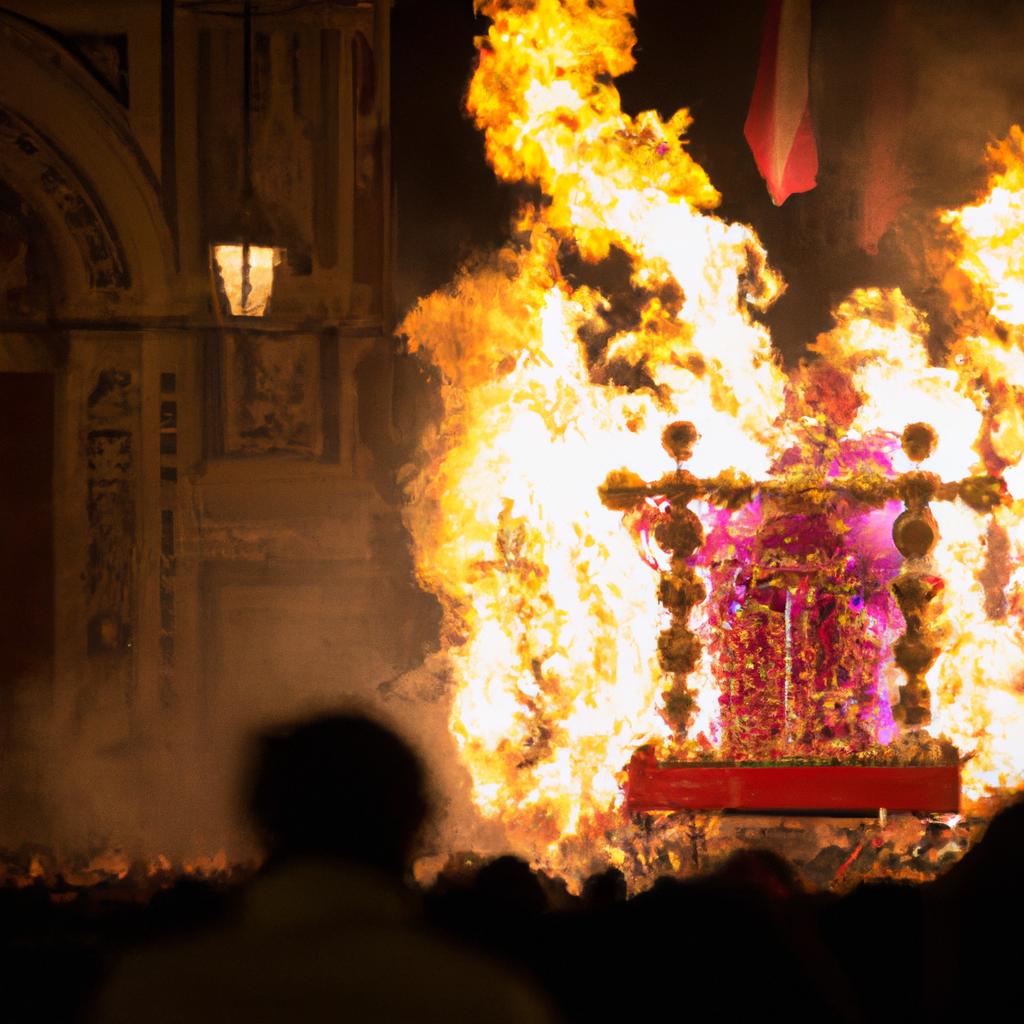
x: 551, y: 611
x: 973, y: 682
x: 880, y: 340
x: 558, y: 674
x: 980, y: 677
x: 989, y: 232
x: 107, y: 867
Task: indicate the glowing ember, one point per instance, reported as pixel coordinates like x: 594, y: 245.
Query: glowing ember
x: 552, y: 617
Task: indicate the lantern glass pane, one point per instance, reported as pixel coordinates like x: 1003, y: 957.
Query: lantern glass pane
x: 246, y: 274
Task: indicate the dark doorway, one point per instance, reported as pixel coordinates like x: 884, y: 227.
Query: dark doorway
x: 26, y: 533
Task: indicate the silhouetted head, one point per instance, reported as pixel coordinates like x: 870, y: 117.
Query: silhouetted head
x: 764, y: 870
x: 994, y: 863
x: 507, y: 882
x: 337, y: 786
x: 605, y: 889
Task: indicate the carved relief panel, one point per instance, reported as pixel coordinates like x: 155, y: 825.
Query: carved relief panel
x: 274, y: 395
x: 111, y: 411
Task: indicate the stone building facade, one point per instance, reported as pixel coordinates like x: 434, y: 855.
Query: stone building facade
x: 198, y: 534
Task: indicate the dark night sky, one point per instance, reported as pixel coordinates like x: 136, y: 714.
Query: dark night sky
x: 956, y: 66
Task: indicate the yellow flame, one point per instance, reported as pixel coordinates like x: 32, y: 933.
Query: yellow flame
x: 989, y: 231
x: 980, y: 678
x: 558, y: 674
x: 551, y: 616
x: 880, y: 340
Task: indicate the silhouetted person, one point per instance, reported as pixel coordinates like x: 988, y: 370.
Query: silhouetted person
x: 340, y: 787
x: 499, y: 910
x: 972, y: 934
x: 605, y: 889
x: 508, y: 886
x: 762, y: 870
x: 328, y: 931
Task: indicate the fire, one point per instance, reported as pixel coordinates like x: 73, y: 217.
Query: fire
x: 989, y: 232
x: 71, y: 872
x: 981, y: 677
x: 551, y: 607
x: 880, y: 341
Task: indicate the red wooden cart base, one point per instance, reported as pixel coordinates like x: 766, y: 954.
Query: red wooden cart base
x: 811, y: 788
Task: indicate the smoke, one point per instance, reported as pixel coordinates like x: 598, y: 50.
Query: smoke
x: 907, y: 97
x: 965, y: 59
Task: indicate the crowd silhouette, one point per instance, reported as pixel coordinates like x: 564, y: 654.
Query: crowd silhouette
x: 331, y: 928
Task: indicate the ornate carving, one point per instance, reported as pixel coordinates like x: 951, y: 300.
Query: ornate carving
x: 110, y: 571
x: 915, y: 534
x: 23, y: 285
x: 106, y: 58
x: 272, y: 396
x: 168, y: 545
x: 34, y: 158
x: 803, y: 580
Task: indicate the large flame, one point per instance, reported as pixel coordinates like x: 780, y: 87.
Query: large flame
x: 991, y: 252
x: 981, y: 676
x: 552, y: 617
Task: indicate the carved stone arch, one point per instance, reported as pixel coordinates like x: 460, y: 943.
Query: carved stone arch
x: 66, y: 147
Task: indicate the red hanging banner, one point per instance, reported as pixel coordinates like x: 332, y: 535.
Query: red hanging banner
x: 778, y: 127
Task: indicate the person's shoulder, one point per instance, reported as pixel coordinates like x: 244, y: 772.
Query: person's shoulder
x: 473, y: 986
x: 159, y: 983
x: 392, y: 970
x: 419, y: 980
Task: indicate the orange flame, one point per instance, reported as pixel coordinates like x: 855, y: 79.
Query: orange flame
x: 981, y: 677
x: 551, y: 615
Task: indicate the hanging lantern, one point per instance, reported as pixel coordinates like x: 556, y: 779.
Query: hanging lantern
x: 243, y: 270
x: 245, y: 276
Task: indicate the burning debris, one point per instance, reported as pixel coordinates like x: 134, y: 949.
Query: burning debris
x: 110, y: 874
x: 824, y: 591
